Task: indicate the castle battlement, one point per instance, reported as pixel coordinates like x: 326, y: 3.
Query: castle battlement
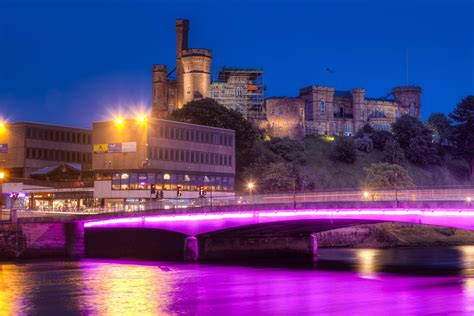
x: 201, y: 52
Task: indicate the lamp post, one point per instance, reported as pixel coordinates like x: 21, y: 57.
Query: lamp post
x: 396, y: 188
x: 250, y: 187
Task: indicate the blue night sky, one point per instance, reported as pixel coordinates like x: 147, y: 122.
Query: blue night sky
x: 72, y: 62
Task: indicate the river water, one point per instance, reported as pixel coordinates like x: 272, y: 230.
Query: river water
x: 405, y: 281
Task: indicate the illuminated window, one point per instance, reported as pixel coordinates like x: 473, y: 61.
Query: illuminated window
x: 166, y: 176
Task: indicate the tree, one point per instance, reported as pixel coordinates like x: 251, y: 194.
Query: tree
x: 209, y: 112
x: 441, y: 127
x: 385, y: 175
x: 463, y: 131
x: 364, y: 143
x: 277, y: 177
x: 393, y: 153
x: 406, y: 128
x: 345, y: 150
x: 365, y: 130
x: 416, y: 140
x: 380, y: 138
x: 421, y: 151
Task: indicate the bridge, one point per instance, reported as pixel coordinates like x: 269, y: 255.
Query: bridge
x: 67, y: 234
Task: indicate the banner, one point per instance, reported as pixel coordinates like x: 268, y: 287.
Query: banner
x: 129, y: 147
x: 115, y: 148
x: 101, y: 148
x: 3, y: 148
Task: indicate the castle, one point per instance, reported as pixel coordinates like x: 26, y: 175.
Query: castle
x: 239, y: 89
x: 326, y: 111
x: 317, y: 110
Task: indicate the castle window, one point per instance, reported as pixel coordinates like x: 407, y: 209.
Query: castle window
x: 341, y: 111
x: 411, y: 110
x: 347, y: 129
x: 322, y: 108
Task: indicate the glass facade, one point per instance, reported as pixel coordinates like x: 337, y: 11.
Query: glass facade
x: 170, y: 181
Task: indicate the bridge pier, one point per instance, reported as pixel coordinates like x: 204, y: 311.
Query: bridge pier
x: 314, y: 246
x: 74, y: 235
x: 191, y: 249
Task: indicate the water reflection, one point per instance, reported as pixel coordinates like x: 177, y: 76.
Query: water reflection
x: 111, y: 289
x: 11, y: 289
x: 361, y: 285
x: 367, y: 262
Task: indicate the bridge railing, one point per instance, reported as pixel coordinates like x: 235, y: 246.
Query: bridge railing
x: 465, y: 194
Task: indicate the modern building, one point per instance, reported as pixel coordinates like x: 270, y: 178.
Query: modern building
x: 25, y: 147
x: 46, y: 162
x: 129, y: 156
x: 332, y: 112
x: 241, y: 90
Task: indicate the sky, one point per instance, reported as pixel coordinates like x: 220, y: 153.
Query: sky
x: 72, y: 62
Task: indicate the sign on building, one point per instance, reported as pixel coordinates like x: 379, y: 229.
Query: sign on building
x: 129, y: 147
x: 101, y: 148
x: 3, y: 148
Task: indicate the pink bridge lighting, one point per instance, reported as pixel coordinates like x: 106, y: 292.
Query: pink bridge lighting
x: 197, y: 223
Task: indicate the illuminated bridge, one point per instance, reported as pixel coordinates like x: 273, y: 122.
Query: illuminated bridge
x: 190, y: 226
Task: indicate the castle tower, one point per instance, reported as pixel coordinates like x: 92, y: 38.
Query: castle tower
x: 196, y: 74
x: 182, y: 30
x: 408, y: 99
x: 159, y: 103
x: 359, y: 108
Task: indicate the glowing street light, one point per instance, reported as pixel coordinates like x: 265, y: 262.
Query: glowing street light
x: 119, y: 121
x: 2, y: 175
x: 366, y: 194
x: 141, y: 119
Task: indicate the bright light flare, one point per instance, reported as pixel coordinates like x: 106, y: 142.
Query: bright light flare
x: 366, y: 194
x: 141, y: 119
x: 250, y: 185
x: 2, y: 175
x: 119, y: 121
x: 468, y: 199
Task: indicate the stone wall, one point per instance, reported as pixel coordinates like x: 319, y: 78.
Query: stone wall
x: 242, y: 247
x: 41, y: 240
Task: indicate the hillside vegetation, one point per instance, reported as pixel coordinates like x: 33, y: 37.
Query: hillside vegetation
x: 324, y: 171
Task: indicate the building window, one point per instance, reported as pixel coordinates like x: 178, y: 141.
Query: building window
x: 411, y: 110
x: 322, y: 108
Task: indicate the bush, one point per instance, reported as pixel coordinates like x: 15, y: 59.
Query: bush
x: 393, y: 153
x: 380, y: 138
x: 364, y: 144
x: 345, y: 150
x: 385, y: 175
x: 422, y: 151
x: 288, y: 149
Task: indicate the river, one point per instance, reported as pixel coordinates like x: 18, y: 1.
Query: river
x: 403, y: 281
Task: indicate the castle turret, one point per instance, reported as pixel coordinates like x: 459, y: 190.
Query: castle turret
x: 359, y: 108
x: 159, y: 107
x: 196, y: 65
x: 408, y: 99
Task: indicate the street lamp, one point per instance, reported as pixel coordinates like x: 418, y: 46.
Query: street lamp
x: 250, y: 186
